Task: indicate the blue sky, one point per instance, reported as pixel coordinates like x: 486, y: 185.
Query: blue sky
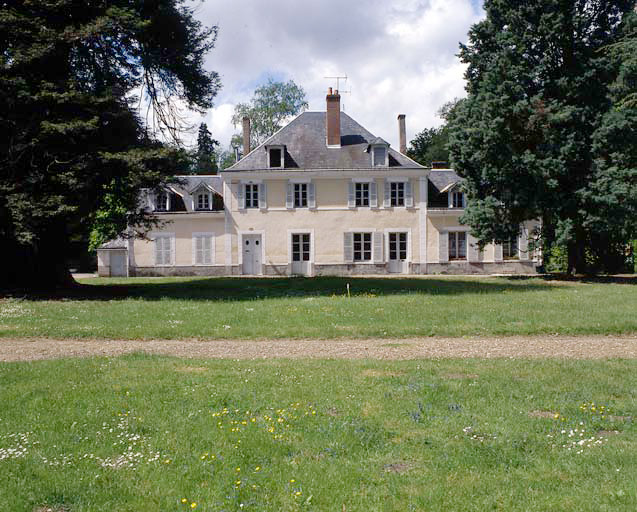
x: 399, y: 56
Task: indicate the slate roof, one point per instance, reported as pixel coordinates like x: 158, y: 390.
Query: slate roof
x: 305, y: 147
x: 188, y: 183
x: 443, y: 178
x: 118, y: 243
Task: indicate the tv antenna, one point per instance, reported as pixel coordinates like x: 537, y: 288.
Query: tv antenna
x: 338, y: 83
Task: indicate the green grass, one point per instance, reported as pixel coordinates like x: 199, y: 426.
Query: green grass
x: 355, y: 436
x: 237, y: 308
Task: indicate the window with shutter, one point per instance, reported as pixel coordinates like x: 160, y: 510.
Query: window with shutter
x: 203, y: 248
x: 362, y: 194
x: 163, y: 250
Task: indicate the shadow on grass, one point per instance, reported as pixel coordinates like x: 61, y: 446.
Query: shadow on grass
x: 241, y: 288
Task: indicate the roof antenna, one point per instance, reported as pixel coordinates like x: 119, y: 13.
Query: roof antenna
x: 338, y: 88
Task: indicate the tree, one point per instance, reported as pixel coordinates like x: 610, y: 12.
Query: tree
x: 538, y: 83
x: 76, y: 151
x: 205, y: 161
x: 430, y: 145
x: 269, y: 107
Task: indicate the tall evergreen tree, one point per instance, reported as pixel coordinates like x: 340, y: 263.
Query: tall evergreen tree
x: 430, y: 145
x: 538, y: 83
x: 205, y: 161
x: 75, y: 150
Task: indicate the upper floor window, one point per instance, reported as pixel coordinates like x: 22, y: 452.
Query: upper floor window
x: 397, y: 193
x: 361, y: 191
x: 203, y: 201
x: 251, y: 195
x: 379, y: 156
x: 275, y: 157
x: 510, y: 249
x: 300, y: 195
x: 457, y: 199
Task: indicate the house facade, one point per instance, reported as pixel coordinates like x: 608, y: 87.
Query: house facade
x: 323, y: 196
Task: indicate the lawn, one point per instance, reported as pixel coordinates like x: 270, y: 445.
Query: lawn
x: 239, y: 308
x: 144, y: 433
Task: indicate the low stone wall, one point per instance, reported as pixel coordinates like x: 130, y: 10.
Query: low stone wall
x: 180, y: 271
x: 500, y: 267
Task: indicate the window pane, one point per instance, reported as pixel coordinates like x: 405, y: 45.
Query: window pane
x: 379, y: 155
x: 275, y: 157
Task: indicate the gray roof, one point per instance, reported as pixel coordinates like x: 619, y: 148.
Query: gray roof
x: 305, y: 147
x: 118, y: 243
x: 189, y: 183
x: 443, y: 178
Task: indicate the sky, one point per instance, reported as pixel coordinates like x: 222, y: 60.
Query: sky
x: 399, y: 56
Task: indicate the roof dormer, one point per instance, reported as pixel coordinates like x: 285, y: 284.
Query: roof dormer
x: 276, y: 156
x: 379, y: 150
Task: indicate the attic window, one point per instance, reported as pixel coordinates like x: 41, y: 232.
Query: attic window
x: 379, y: 156
x: 275, y: 157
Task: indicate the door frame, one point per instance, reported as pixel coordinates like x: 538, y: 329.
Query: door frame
x: 240, y: 239
x: 301, y: 232
x: 409, y: 258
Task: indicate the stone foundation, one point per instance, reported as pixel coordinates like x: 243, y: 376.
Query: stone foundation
x: 500, y: 267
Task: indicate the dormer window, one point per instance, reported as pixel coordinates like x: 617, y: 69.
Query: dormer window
x: 275, y: 157
x: 162, y: 201
x: 203, y: 201
x: 380, y: 156
x: 456, y: 199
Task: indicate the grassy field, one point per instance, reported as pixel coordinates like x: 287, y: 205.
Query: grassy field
x: 150, y: 433
x: 235, y: 308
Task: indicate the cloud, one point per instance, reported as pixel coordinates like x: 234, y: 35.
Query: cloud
x: 400, y: 56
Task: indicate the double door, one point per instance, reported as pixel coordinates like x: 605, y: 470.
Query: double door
x: 397, y: 257
x: 300, y: 253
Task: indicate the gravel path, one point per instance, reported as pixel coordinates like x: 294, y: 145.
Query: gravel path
x: 570, y: 347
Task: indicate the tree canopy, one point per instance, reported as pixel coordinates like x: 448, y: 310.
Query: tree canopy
x: 541, y: 134
x: 85, y: 91
x: 271, y: 105
x: 430, y: 145
x: 205, y: 156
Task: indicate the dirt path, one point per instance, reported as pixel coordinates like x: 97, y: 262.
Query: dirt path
x: 571, y: 347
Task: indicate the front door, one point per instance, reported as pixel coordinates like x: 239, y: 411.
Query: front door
x: 252, y: 251
x: 118, y: 263
x: 301, y: 254
x: 398, y: 253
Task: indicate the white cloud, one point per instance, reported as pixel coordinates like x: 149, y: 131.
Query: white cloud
x: 399, y: 56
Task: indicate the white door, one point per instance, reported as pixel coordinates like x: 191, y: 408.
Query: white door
x: 398, y: 253
x: 118, y: 263
x: 252, y: 254
x: 301, y: 254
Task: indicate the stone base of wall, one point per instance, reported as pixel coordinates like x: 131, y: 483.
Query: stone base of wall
x: 179, y: 271
x: 501, y: 267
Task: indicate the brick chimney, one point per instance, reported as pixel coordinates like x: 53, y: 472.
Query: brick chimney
x: 333, y: 119
x: 246, y: 136
x: 401, y: 134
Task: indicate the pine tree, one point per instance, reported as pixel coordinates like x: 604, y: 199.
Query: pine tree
x: 206, y: 153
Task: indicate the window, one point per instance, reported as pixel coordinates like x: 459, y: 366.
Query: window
x: 510, y: 249
x: 162, y: 202
x: 301, y: 247
x: 252, y: 195
x: 458, y: 245
x: 457, y: 199
x: 379, y: 156
x: 361, y: 191
x: 202, y: 246
x: 203, y: 201
x: 397, y: 193
x: 397, y: 246
x: 275, y: 157
x: 362, y: 246
x: 163, y: 250
x: 300, y: 195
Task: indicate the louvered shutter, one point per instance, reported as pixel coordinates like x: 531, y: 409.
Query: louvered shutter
x: 409, y: 196
x: 386, y: 201
x: 159, y: 255
x: 289, y: 197
x: 351, y: 195
x: 348, y: 246
x: 373, y: 195
x: 311, y: 195
x: 443, y: 247
x: 523, y: 245
x: 241, y: 196
x: 263, y: 196
x: 497, y: 252
x: 473, y: 252
x: 199, y: 250
x: 377, y: 239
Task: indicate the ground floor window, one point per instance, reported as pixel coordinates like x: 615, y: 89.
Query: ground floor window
x: 510, y: 249
x: 163, y: 250
x: 301, y: 247
x: 397, y: 246
x: 362, y: 246
x: 202, y: 246
x: 457, y: 245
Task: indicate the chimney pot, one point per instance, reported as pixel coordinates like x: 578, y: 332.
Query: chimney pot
x: 246, y: 136
x: 401, y: 134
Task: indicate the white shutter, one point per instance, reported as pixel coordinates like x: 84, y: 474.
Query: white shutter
x: 171, y: 251
x: 409, y: 196
x: 289, y: 197
x: 159, y: 255
x: 351, y: 195
x: 373, y: 195
x: 443, y: 246
x: 523, y: 244
x: 377, y: 239
x: 473, y: 252
x: 263, y: 196
x: 497, y: 252
x: 151, y: 199
x: 348, y: 247
x: 241, y: 196
x: 211, y: 246
x: 199, y: 250
x: 386, y: 201
x: 311, y: 196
